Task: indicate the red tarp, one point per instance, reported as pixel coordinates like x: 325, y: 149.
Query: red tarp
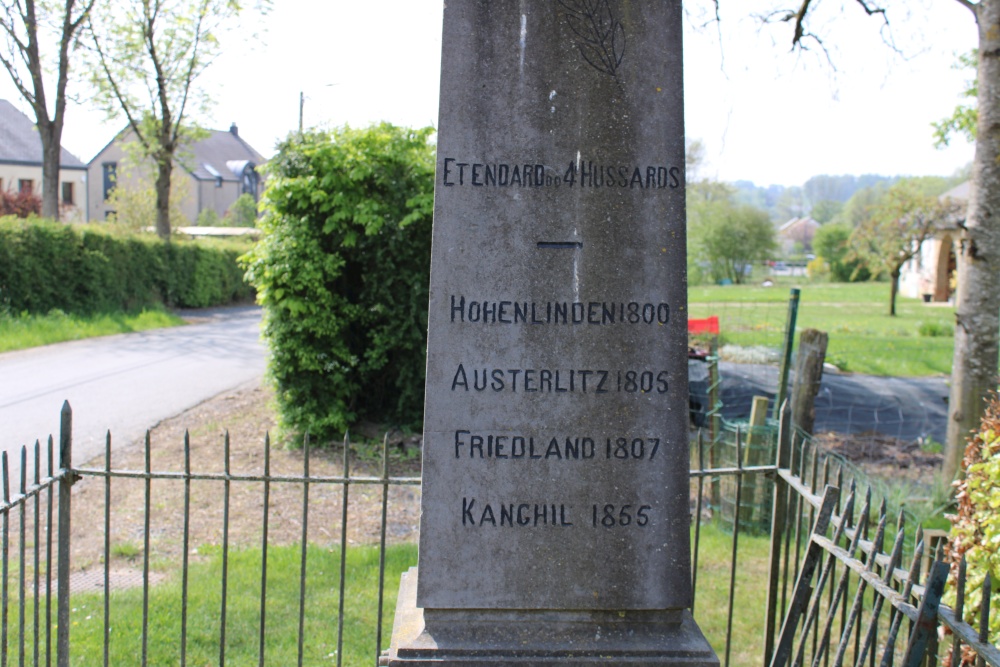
x: 709, y: 325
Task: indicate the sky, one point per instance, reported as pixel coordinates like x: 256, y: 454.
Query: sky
x: 763, y: 113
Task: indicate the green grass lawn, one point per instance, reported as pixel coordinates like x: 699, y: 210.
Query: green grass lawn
x: 863, y: 337
x: 242, y: 626
x: 361, y: 604
x: 18, y: 332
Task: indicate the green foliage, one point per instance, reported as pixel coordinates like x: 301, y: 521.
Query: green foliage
x: 133, y: 199
x: 935, y: 329
x: 734, y: 238
x: 965, y: 117
x: 145, y: 60
x: 825, y: 210
x: 242, y: 213
x: 86, y: 270
x: 818, y: 269
x: 342, y: 272
x: 975, y: 529
x: 896, y: 226
x: 857, y: 208
x: 208, y: 218
x: 831, y: 244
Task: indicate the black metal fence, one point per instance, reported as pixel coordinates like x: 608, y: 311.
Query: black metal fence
x: 828, y: 580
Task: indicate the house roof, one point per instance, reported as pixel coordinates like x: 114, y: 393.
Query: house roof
x: 798, y: 222
x: 221, y: 154
x: 959, y: 193
x: 20, y: 143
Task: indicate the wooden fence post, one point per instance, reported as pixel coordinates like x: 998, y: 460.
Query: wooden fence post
x: 808, y: 374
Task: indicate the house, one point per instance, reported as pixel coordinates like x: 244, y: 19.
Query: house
x: 931, y: 273
x: 212, y: 173
x: 21, y: 164
x: 797, y: 232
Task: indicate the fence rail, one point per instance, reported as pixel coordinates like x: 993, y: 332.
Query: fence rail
x: 246, y: 614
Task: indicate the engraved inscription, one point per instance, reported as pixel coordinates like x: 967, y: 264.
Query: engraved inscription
x: 579, y: 173
x: 471, y: 445
x: 560, y: 381
x: 522, y: 515
x: 557, y: 312
x: 600, y: 36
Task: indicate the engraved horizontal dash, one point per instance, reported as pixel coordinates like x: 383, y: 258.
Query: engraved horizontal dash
x: 560, y: 245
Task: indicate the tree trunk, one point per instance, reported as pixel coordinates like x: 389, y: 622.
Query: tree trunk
x: 893, y: 290
x: 163, y: 169
x: 51, y: 154
x: 977, y: 313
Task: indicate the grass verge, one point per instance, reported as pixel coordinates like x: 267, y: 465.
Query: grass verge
x: 18, y: 332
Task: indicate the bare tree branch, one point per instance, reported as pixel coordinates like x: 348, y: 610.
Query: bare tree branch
x: 972, y: 7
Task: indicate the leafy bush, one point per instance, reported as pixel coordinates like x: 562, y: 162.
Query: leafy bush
x: 242, y: 213
x: 342, y: 272
x: 832, y: 243
x: 935, y: 329
x: 86, y: 270
x: 208, y: 218
x: 975, y: 531
x: 818, y: 269
x: 20, y: 204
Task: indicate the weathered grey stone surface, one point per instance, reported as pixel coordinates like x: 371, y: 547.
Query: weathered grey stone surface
x: 543, y: 638
x: 555, y: 444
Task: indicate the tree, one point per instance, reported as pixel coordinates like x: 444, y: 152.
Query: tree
x: 134, y: 203
x: 832, y: 245
x: 977, y: 313
x: 146, y: 58
x: 894, y: 232
x: 28, y: 26
x: 965, y: 116
x: 825, y: 210
x: 734, y: 238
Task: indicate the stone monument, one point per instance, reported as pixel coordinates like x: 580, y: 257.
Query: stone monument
x: 555, y: 514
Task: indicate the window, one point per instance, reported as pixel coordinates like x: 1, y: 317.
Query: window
x: 110, y: 176
x: 67, y: 193
x: 25, y: 186
x: 250, y: 182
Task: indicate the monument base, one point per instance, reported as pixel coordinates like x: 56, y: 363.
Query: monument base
x: 527, y: 638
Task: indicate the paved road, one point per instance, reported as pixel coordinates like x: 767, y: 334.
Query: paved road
x: 126, y: 383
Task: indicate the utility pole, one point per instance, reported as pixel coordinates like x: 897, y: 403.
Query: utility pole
x: 302, y: 104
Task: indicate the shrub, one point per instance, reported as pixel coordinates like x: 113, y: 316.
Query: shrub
x: 20, y: 204
x: 832, y: 244
x: 935, y: 329
x: 86, y: 270
x: 818, y: 269
x: 208, y: 218
x: 975, y: 531
x: 342, y: 272
x: 242, y: 213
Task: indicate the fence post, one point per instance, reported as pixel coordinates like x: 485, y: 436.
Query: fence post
x: 786, y: 354
x: 808, y: 375
x: 66, y: 480
x: 778, y: 519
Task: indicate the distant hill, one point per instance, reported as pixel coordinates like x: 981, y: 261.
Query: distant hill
x: 784, y: 203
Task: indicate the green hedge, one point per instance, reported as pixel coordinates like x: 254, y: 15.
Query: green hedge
x: 342, y: 272
x: 86, y: 270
